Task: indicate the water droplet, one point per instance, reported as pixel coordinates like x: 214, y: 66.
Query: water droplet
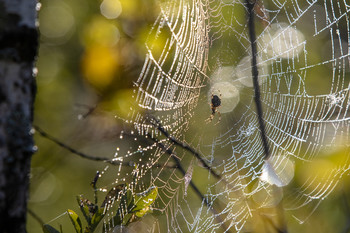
x: 34, y: 71
x: 38, y: 6
x: 31, y: 131
x: 34, y: 148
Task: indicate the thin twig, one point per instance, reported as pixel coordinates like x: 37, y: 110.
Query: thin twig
x: 90, y: 110
x: 179, y: 166
x: 186, y: 147
x: 94, y: 158
x: 192, y: 184
x: 281, y: 218
x: 93, y: 185
x: 35, y: 216
x: 70, y: 149
x: 255, y: 74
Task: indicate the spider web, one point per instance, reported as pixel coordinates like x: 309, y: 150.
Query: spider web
x: 197, y: 48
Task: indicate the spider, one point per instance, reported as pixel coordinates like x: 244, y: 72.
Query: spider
x: 214, y: 105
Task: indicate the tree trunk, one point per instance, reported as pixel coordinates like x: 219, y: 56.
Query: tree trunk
x: 18, y: 48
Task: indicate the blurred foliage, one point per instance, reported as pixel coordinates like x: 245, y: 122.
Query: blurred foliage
x: 90, y: 54
x: 130, y: 208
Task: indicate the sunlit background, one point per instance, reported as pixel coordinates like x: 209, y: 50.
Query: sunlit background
x: 90, y: 54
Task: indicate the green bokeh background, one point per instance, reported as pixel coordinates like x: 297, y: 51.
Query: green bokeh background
x: 71, y: 32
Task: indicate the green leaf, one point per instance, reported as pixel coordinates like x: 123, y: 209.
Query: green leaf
x: 84, y: 208
x: 126, y: 204
x: 96, y: 218
x: 49, y: 229
x: 123, y: 198
x: 113, y: 194
x: 126, y: 219
x: 129, y: 200
x: 142, y: 212
x: 144, y: 200
x: 75, y: 220
x: 87, y: 208
x: 116, y: 221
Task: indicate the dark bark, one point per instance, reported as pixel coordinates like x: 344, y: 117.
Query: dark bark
x: 18, y: 48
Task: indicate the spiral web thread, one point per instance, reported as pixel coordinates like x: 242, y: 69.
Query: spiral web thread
x: 305, y: 97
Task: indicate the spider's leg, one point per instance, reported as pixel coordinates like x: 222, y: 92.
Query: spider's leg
x: 219, y: 114
x: 210, y: 119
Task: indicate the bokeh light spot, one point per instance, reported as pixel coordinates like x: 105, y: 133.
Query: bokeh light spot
x: 56, y: 22
x: 99, y: 65
x: 111, y: 9
x: 101, y: 31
